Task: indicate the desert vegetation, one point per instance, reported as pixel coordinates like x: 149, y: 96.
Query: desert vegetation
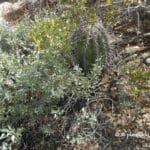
x: 74, y: 75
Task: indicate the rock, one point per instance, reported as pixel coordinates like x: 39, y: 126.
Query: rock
x: 133, y: 49
x: 2, y: 1
x: 8, y: 12
x: 11, y: 12
x: 146, y: 61
x: 4, y: 8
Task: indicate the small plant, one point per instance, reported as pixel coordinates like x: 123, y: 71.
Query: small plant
x: 9, y: 137
x: 16, y: 40
x: 139, y: 80
x: 90, y: 46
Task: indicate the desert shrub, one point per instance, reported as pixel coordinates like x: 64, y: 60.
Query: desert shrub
x: 75, y: 32
x: 139, y: 80
x: 38, y: 81
x: 8, y: 137
x: 15, y: 39
x: 31, y: 91
x: 32, y: 88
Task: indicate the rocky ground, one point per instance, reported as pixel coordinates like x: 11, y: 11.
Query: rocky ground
x: 131, y: 119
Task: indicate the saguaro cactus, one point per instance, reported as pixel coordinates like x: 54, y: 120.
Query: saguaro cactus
x: 89, y: 45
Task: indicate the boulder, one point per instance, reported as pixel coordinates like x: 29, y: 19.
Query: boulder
x: 12, y: 12
x: 146, y: 61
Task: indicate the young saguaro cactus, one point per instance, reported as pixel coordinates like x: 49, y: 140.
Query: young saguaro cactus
x: 90, y: 44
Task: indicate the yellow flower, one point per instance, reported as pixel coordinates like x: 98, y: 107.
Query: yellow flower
x: 109, y: 1
x: 134, y: 72
x: 52, y: 23
x: 84, y: 1
x: 51, y: 41
x: 94, y: 18
x: 59, y: 44
x: 38, y: 44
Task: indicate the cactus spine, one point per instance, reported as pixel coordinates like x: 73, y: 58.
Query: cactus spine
x: 89, y: 45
